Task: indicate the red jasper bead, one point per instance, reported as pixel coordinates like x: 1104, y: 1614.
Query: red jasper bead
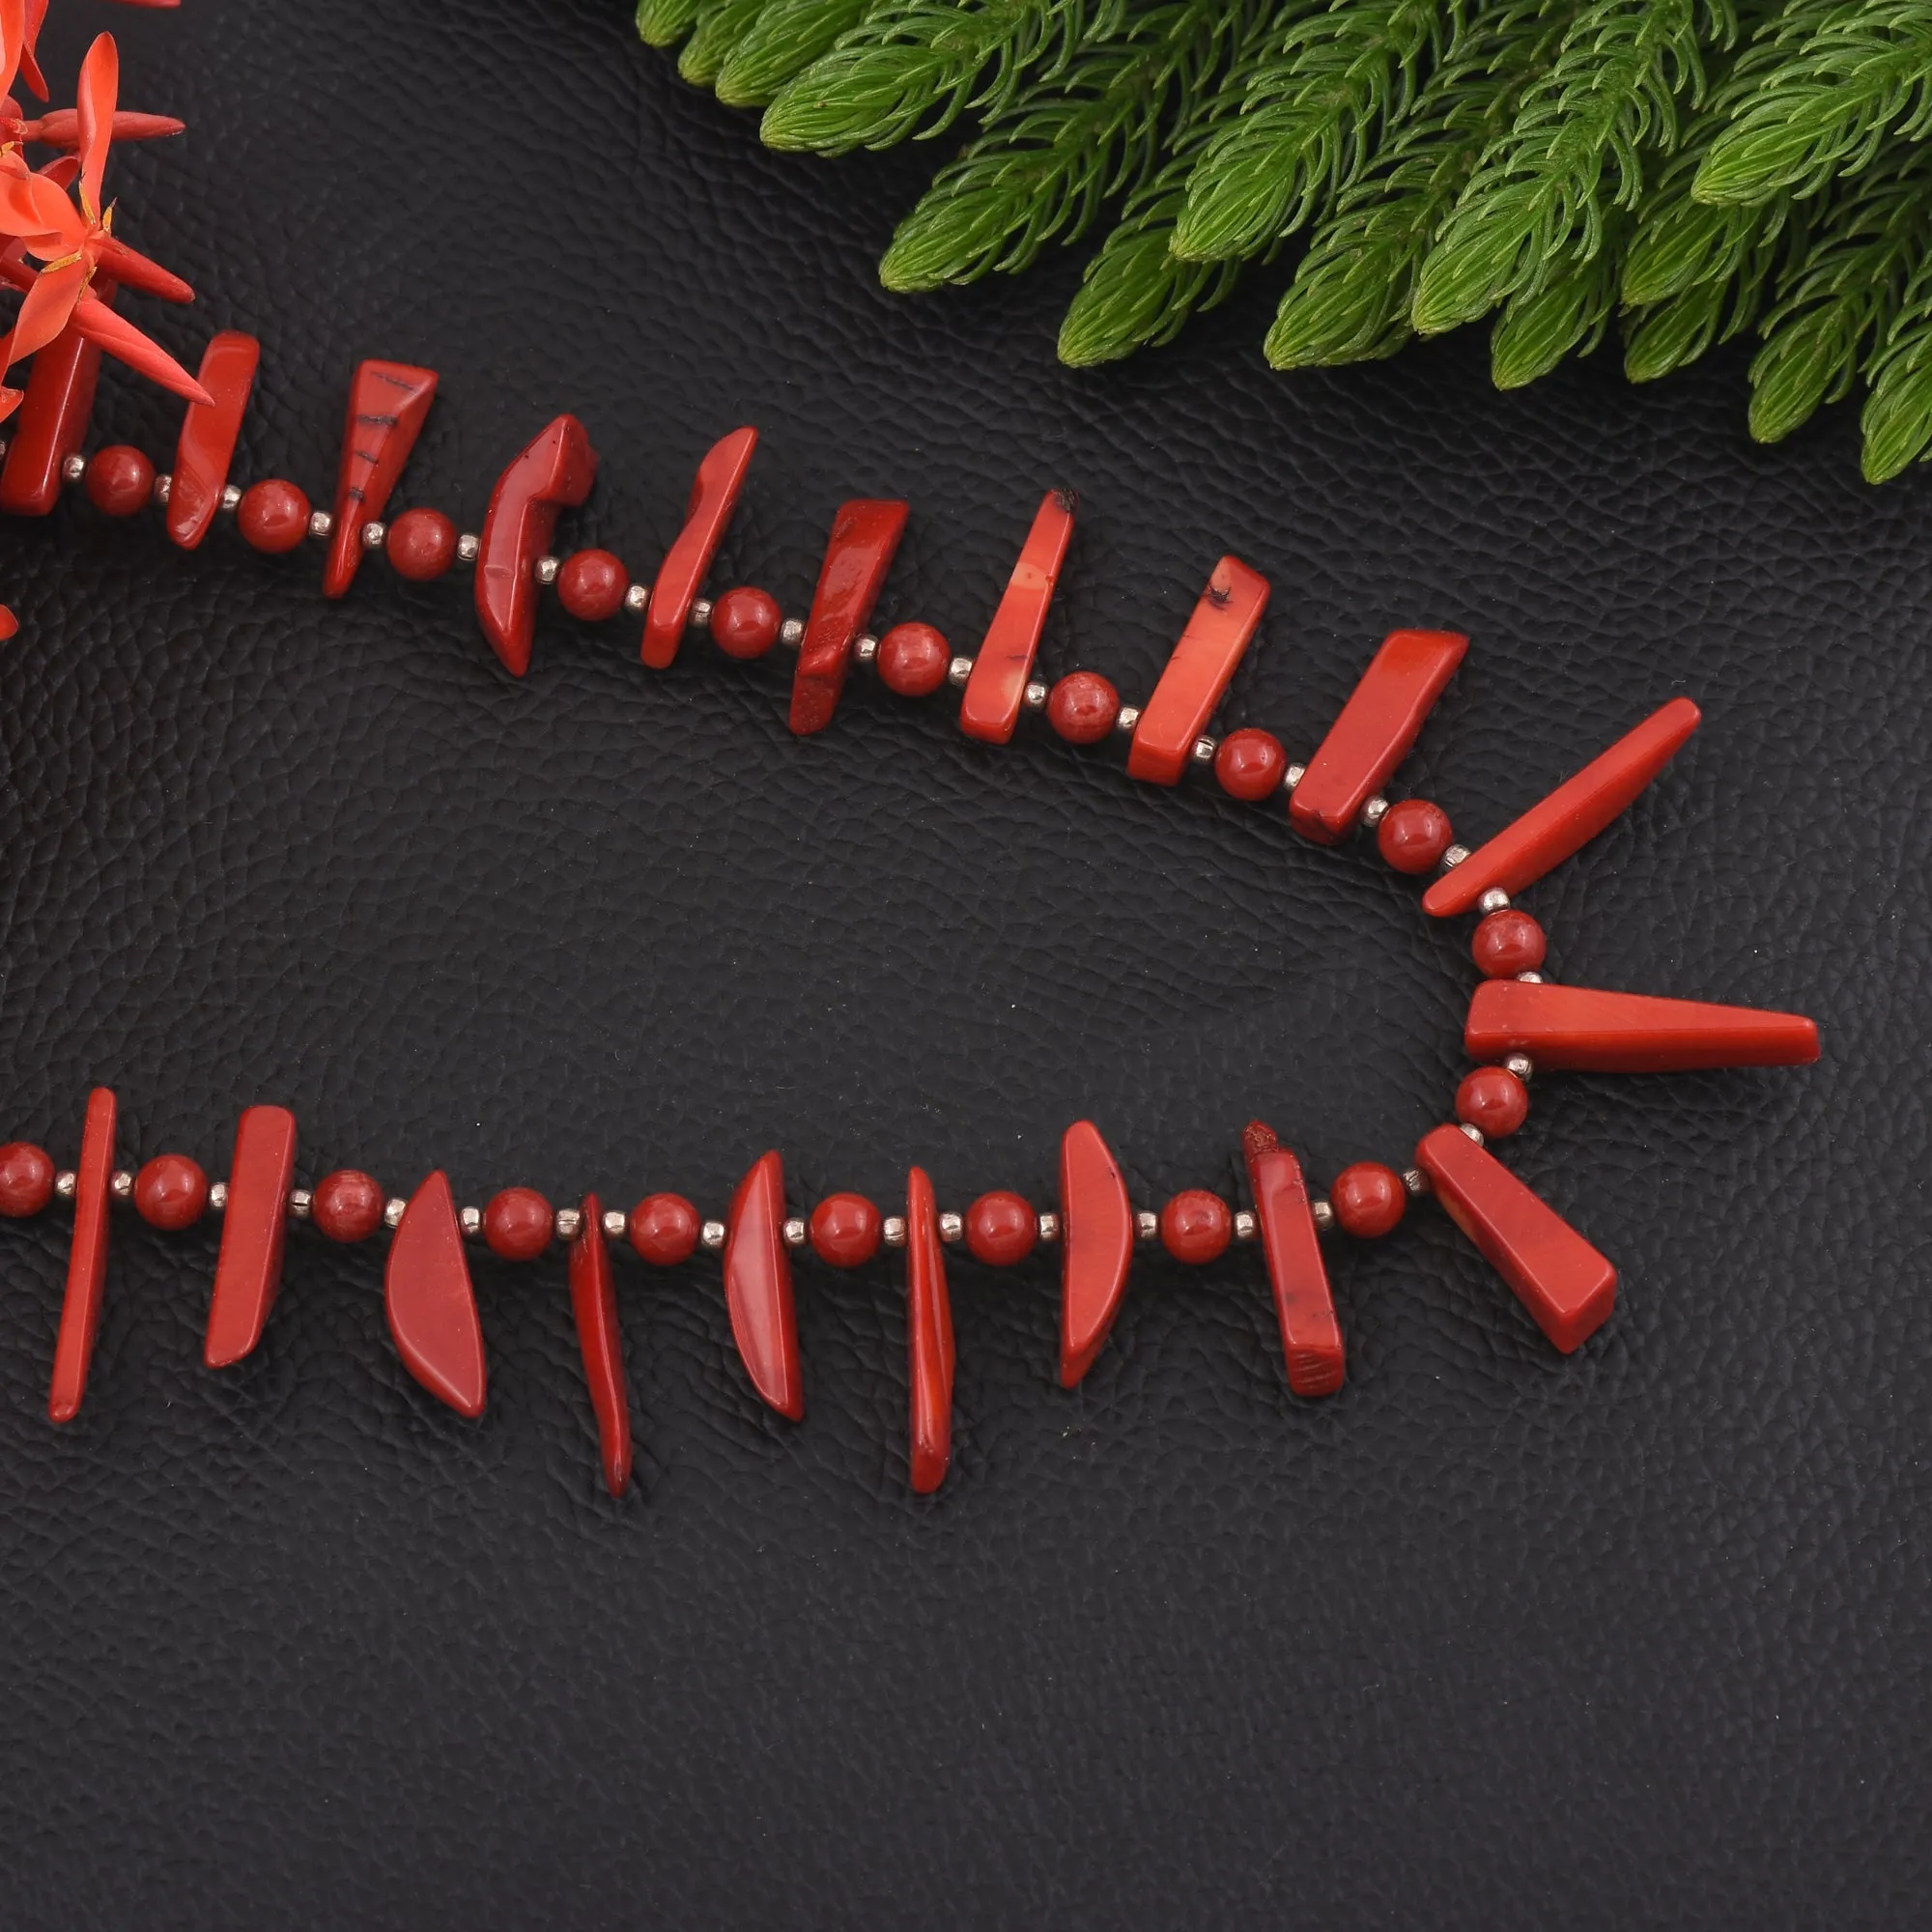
x: 914, y: 660
x: 171, y: 1192
x: 1414, y: 834
x: 120, y: 480
x: 1082, y: 707
x: 1492, y: 1100
x: 26, y: 1180
x: 1001, y: 1229
x: 663, y: 1229
x: 1507, y: 942
x: 1250, y: 764
x: 1196, y: 1226
x: 1368, y: 1200
x: 590, y: 585
x: 744, y: 622
x: 421, y: 545
x: 347, y: 1206
x: 517, y: 1224
x: 845, y: 1231
x: 273, y: 516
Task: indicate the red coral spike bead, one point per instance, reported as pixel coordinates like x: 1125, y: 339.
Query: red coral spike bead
x: 1196, y: 1227
x: 864, y: 539
x: 1570, y: 817
x: 421, y: 546
x: 517, y: 1224
x: 1097, y: 1226
x: 1304, y: 1305
x: 347, y: 1206
x: 86, y: 1257
x: 554, y: 473
x: 26, y: 1180
x: 744, y: 622
x: 254, y: 1227
x: 205, y: 446
x: 1369, y: 1200
x: 1001, y: 1229
x: 845, y: 1231
x: 1566, y: 1286
x: 1413, y: 836
x: 1376, y: 730
x: 1250, y: 764
x: 1507, y: 942
x: 913, y: 660
x: 51, y: 424
x: 591, y: 584
x: 120, y: 480
x: 664, y: 1229
x: 1082, y: 707
x: 388, y: 403
x: 273, y: 516
x: 1198, y: 673
x: 714, y: 496
x: 431, y: 1304
x: 989, y: 707
x: 171, y: 1192
x: 929, y: 1338
x: 1592, y: 1032
x: 593, y: 1302
x: 757, y: 1287
x: 1493, y: 1101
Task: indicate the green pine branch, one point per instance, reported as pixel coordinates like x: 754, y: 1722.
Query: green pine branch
x: 1898, y: 416
x: 784, y: 41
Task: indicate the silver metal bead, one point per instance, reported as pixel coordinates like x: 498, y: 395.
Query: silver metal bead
x: 712, y: 1235
x: 3, y: 445
x: 792, y: 632
x: 375, y: 535
x: 230, y: 496
x: 569, y: 1223
x: 321, y: 525
x: 794, y: 1232
x: 122, y: 1186
x: 894, y: 1231
x: 950, y: 1227
x: 1204, y: 751
x: 393, y: 1209
x: 470, y: 1221
x: 636, y: 598
x: 73, y: 469
x: 959, y: 670
x: 1147, y: 1224
x: 469, y: 546
x: 1127, y: 718
x: 165, y: 487
x: 1323, y: 1215
x: 1416, y: 1180
x: 1035, y: 696
x: 1049, y: 1227
x: 547, y: 568
x: 700, y: 613
x: 866, y: 649
x: 1529, y: 979
x: 64, y: 1184
x: 1245, y: 1224
x: 1454, y: 857
x: 217, y: 1198
x: 1375, y: 812
x: 1292, y: 777
x: 616, y: 1224
x: 1521, y: 1065
x: 302, y: 1203
x: 1492, y: 900
x: 1475, y: 1134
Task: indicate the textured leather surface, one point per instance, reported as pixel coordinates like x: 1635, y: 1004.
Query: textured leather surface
x: 1490, y: 1638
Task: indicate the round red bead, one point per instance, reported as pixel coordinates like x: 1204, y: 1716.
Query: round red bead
x: 1507, y: 942
x: 1492, y: 1100
x: 1250, y: 764
x: 273, y: 516
x: 517, y: 1224
x: 421, y: 545
x: 1001, y: 1229
x: 1414, y: 834
x: 1082, y: 707
x: 744, y: 622
x: 845, y: 1230
x: 663, y: 1229
x: 590, y: 585
x: 347, y: 1206
x: 1368, y: 1200
x: 913, y: 660
x: 171, y: 1192
x: 120, y: 480
x: 26, y: 1179
x: 1196, y: 1226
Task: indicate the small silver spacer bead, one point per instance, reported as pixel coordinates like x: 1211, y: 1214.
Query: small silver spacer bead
x: 165, y: 487
x: 122, y: 1186
x: 1475, y: 1134
x: 794, y: 1232
x: 3, y: 445
x: 1492, y: 900
x: 792, y: 632
x: 1049, y: 1227
x: 217, y: 1198
x: 1323, y: 1215
x: 469, y: 546
x: 1245, y: 1224
x: 866, y: 649
x: 1375, y: 812
x: 1454, y: 857
x: 569, y: 1223
x: 636, y: 598
x: 230, y: 496
x: 1127, y: 719
x: 393, y: 1209
x: 1521, y: 1065
x: 1416, y: 1180
x: 1035, y: 696
x: 73, y: 469
x: 617, y: 1223
x: 700, y: 613
x: 1529, y: 979
x: 1204, y: 751
x: 959, y: 670
x: 1147, y: 1224
x: 470, y: 1221
x: 894, y: 1231
x: 950, y: 1227
x: 300, y: 1202
x: 375, y: 535
x: 64, y: 1185
x: 712, y: 1235
x: 547, y: 568
x: 321, y: 525
x: 1292, y: 777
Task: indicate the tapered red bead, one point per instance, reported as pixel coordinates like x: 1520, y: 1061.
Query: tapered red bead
x: 864, y: 539
x: 757, y: 1287
x: 206, y: 445
x: 1096, y: 1226
x: 1198, y: 673
x: 929, y: 1338
x: 1580, y: 1028
x: 254, y: 1225
x: 387, y: 405
x: 431, y: 1304
x: 714, y: 496
x: 593, y: 1301
x: 86, y: 1257
x: 1310, y: 1337
x: 989, y: 707
x: 553, y: 473
x: 52, y: 422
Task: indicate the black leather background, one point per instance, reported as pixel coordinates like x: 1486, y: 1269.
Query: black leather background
x: 1491, y: 1639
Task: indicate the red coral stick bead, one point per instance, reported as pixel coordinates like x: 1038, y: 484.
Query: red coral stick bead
x: 517, y: 1224
x: 52, y: 422
x: 1507, y: 942
x: 864, y: 539
x: 593, y: 1303
x: 591, y: 586
x: 171, y: 1192
x: 1198, y: 673
x: 1195, y: 1226
x: 929, y: 1338
x: 26, y: 1180
x: 1096, y: 1226
x: 254, y: 1230
x: 845, y: 1231
x: 421, y: 545
x: 87, y: 1259
x: 1369, y: 1200
x: 553, y: 472
x: 744, y: 622
x: 273, y: 516
x: 1596, y: 1032
x: 430, y: 1302
x: 1001, y: 1229
x: 757, y: 1287
x: 664, y: 1229
x: 1304, y: 1305
x: 714, y: 496
x: 120, y: 480
x: 205, y: 448
x: 347, y: 1206
x: 1413, y: 836
x: 388, y: 403
x: 913, y: 660
x: 1082, y: 707
x: 989, y: 707
x: 1250, y: 764
x: 1492, y: 1100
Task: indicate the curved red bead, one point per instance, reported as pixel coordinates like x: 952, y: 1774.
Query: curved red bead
x: 347, y: 1206
x: 273, y: 516
x: 591, y: 584
x: 26, y: 1180
x: 254, y: 1230
x: 1595, y: 1031
x: 845, y: 1231
x: 1196, y: 1226
x: 1082, y: 707
x: 864, y: 539
x: 209, y: 431
x: 1206, y: 658
x: 664, y: 1229
x: 1413, y: 836
x: 552, y: 474
x: 913, y: 660
x: 120, y: 480
x: 929, y: 1338
x: 1096, y: 1226
x: 714, y: 496
x: 593, y: 1302
x: 1304, y: 1305
x: 171, y: 1192
x: 1369, y: 1200
x: 1492, y: 1100
x: 421, y: 545
x: 387, y: 405
x: 1250, y: 764
x: 1507, y: 942
x: 989, y: 707
x: 744, y: 622
x: 1001, y: 1229
x: 431, y: 1304
x: 86, y: 1257
x: 757, y: 1287
x: 517, y: 1224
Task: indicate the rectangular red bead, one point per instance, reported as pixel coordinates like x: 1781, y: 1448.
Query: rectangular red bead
x: 86, y: 1257
x: 1096, y: 1247
x: 864, y: 539
x: 254, y: 1227
x: 929, y: 1338
x: 714, y: 496
x: 990, y: 706
x: 1594, y: 1032
x: 50, y: 424
x: 1310, y: 1337
x: 1198, y: 673
x: 205, y: 446
x: 757, y: 1287
x: 1375, y: 732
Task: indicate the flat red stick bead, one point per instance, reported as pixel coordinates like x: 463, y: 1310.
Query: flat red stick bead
x: 864, y: 539
x: 206, y: 445
x: 989, y: 707
x: 387, y: 404
x: 1629, y: 1032
x: 51, y: 424
x: 431, y: 1305
x: 555, y: 472
x: 1566, y: 1286
x: 254, y: 1225
x: 86, y: 1257
x: 1570, y: 817
x: 757, y: 1287
x: 1310, y: 1337
x: 1096, y: 1226
x: 1198, y: 673
x: 1378, y: 726
x: 928, y: 1337
x: 714, y: 496
x: 593, y: 1301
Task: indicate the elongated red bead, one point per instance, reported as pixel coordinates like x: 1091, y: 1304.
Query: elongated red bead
x: 1629, y: 1032
x: 1198, y: 673
x: 254, y: 1228
x: 1096, y: 1224
x: 929, y: 1338
x: 714, y: 496
x: 554, y: 473
x: 593, y: 1301
x: 1570, y: 817
x: 1310, y: 1337
x: 52, y: 422
x: 864, y: 539
x: 989, y: 707
x: 430, y: 1302
x: 1376, y: 731
x: 757, y: 1287
x: 87, y: 1256
x: 209, y: 431
x: 388, y: 403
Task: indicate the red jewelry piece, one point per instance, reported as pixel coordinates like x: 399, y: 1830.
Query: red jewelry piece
x: 757, y: 1287
x: 421, y: 546
x: 431, y: 1304
x: 26, y: 1180
x: 1369, y: 1200
x: 1083, y: 707
x: 913, y: 660
x: 989, y: 707
x: 1493, y: 1101
x: 273, y: 516
x: 593, y: 1301
x: 1566, y: 1286
x: 591, y: 584
x: 87, y: 1256
x: 209, y: 431
x: 120, y: 480
x: 387, y: 404
x: 51, y: 424
x: 347, y: 1206
x: 1413, y: 836
x: 554, y: 473
x: 663, y: 1229
x: 714, y: 496
x: 517, y: 1224
x: 864, y: 539
x: 1001, y: 1229
x: 1595, y: 1031
x: 1570, y: 817
x: 248, y: 1269
x: 845, y: 1231
x: 171, y: 1192
x: 1250, y: 764
x: 1096, y: 1226
x: 1310, y: 1337
x: 1198, y: 673
x: 929, y: 1338
x: 1374, y: 734
x: 1507, y: 942
x: 1196, y: 1227
x: 744, y: 622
